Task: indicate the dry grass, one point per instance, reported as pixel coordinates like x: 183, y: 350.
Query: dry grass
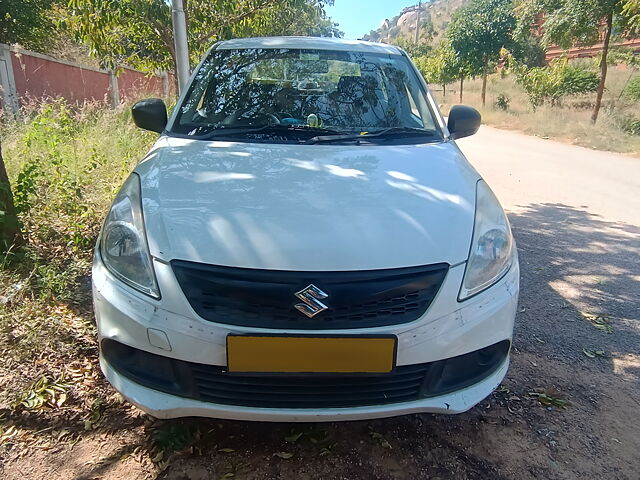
x: 569, y: 122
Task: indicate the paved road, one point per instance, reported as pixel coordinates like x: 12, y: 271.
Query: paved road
x: 525, y: 170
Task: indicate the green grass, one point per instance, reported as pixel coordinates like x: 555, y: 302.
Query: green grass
x: 569, y: 122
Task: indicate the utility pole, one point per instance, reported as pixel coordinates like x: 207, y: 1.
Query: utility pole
x: 180, y: 42
x: 418, y: 22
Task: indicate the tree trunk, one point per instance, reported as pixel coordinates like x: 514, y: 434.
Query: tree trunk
x: 603, y: 68
x: 484, y: 81
x: 444, y: 90
x: 9, y: 225
x: 461, y: 87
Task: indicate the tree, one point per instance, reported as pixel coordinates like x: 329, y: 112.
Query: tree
x: 9, y: 225
x: 442, y: 67
x: 139, y: 32
x: 478, y: 32
x: 27, y: 22
x: 631, y: 10
x: 414, y: 50
x: 580, y: 22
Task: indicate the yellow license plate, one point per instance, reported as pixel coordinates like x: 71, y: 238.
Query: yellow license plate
x: 302, y: 354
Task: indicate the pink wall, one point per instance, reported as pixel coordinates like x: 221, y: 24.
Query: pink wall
x: 134, y: 84
x: 38, y: 77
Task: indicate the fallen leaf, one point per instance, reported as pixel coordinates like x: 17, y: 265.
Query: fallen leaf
x: 284, y: 455
x: 158, y: 456
x: 293, y: 438
x: 548, y: 400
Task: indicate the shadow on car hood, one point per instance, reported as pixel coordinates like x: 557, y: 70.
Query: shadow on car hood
x: 308, y: 207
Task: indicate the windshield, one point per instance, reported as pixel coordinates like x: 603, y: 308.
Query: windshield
x: 285, y: 93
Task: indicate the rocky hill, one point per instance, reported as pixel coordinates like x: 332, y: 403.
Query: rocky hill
x: 434, y: 19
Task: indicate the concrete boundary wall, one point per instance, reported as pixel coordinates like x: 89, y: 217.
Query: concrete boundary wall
x: 27, y: 76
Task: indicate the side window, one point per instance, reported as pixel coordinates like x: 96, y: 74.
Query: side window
x: 419, y: 107
x: 412, y: 103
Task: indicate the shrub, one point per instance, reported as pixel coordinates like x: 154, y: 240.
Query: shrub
x: 577, y: 80
x: 631, y: 126
x: 550, y: 84
x: 633, y: 89
x: 65, y: 164
x: 502, y: 102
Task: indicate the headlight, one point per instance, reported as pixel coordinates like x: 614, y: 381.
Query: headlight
x: 123, y: 244
x: 492, y: 248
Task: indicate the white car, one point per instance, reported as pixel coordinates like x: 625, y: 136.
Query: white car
x: 305, y: 242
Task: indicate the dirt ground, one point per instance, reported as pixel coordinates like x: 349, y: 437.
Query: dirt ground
x: 567, y: 409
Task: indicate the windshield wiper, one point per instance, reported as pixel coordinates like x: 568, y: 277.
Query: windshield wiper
x: 385, y: 132
x: 233, y: 131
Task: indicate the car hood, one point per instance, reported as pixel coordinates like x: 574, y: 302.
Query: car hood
x: 308, y: 207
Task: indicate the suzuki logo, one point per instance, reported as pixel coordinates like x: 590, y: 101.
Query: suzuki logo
x: 311, y: 297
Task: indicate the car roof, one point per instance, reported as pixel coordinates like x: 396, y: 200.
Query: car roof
x: 311, y: 43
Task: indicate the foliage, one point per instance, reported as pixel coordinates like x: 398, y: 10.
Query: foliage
x: 529, y: 51
x: 479, y: 31
x: 571, y: 22
x: 567, y: 121
x: 415, y: 50
x: 551, y: 83
x: 631, y: 125
x: 64, y: 171
x: 577, y: 80
x: 443, y: 67
x: 139, y: 32
x: 631, y: 10
x: 427, y: 32
x: 633, y: 89
x: 27, y: 22
x: 621, y: 56
x: 502, y: 102
x: 567, y: 22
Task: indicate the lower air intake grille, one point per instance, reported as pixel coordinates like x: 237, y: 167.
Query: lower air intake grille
x: 307, y: 392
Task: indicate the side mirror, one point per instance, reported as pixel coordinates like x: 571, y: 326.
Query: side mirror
x: 463, y: 121
x: 150, y: 114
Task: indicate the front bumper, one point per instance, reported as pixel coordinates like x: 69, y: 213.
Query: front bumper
x: 162, y: 405
x: 170, y: 328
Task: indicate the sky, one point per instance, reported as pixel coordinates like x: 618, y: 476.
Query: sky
x: 358, y: 17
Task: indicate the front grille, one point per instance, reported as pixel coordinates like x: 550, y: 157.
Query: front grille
x: 266, y: 298
x: 216, y: 386
x: 210, y: 383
